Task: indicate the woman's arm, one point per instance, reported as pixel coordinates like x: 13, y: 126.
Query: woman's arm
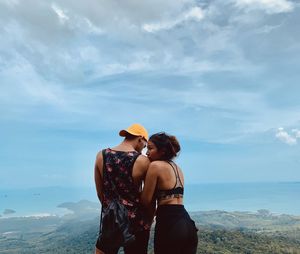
x: 150, y: 185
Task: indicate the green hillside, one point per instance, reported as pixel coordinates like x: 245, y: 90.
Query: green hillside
x: 219, y: 233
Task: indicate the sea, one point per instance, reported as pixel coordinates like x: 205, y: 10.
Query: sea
x: 278, y: 198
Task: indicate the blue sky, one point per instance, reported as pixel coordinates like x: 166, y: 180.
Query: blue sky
x: 223, y: 76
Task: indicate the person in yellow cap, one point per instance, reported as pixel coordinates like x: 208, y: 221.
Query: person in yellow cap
x: 119, y: 173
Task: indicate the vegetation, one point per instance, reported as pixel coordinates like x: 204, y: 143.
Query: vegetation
x: 237, y: 241
x: 219, y: 233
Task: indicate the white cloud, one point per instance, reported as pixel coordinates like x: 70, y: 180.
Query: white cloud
x: 23, y: 85
x: 60, y: 13
x: 195, y: 14
x: 76, y: 22
x: 296, y: 133
x: 267, y: 29
x: 269, y: 6
x: 63, y: 56
x: 93, y: 28
x: 285, y: 137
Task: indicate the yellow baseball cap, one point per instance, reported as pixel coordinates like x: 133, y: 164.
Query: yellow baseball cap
x: 135, y: 130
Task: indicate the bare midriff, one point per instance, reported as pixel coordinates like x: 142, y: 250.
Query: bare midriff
x: 171, y: 201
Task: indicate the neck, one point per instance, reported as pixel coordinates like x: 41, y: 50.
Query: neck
x: 125, y: 146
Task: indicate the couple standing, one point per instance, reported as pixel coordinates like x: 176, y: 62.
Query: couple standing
x: 122, y: 170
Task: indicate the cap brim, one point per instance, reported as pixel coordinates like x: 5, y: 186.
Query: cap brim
x: 123, y: 133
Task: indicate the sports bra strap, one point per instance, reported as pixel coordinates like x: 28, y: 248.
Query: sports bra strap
x: 175, y: 169
x: 176, y: 191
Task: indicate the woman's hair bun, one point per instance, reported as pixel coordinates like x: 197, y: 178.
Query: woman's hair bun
x: 167, y: 143
x: 175, y: 144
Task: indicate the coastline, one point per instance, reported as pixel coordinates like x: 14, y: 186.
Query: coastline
x: 279, y: 198
x: 219, y: 232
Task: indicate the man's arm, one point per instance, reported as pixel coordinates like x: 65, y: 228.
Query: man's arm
x: 98, y: 177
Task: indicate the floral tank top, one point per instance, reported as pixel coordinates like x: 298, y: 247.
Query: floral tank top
x: 118, y: 184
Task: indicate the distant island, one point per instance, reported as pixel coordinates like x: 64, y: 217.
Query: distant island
x: 9, y: 211
x: 83, y: 208
x: 219, y: 232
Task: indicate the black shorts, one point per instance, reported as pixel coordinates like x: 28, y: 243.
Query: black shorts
x: 139, y: 246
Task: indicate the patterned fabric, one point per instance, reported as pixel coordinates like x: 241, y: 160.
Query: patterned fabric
x: 118, y: 184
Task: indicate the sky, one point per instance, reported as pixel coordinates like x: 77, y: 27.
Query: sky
x: 222, y: 76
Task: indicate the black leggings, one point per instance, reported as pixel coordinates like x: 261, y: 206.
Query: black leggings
x: 175, y: 232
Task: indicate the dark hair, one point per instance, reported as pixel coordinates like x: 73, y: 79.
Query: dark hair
x: 167, y: 143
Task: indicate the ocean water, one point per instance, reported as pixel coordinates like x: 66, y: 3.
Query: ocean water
x: 276, y: 197
x: 281, y: 198
x: 42, y: 201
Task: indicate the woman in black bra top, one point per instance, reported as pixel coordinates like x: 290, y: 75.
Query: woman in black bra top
x: 175, y: 232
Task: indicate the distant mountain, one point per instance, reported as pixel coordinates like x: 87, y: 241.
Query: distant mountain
x: 261, y: 222
x: 9, y: 211
x: 82, y: 210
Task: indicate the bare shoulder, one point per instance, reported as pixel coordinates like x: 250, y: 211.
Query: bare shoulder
x: 157, y: 165
x: 160, y: 163
x: 99, y: 158
x: 99, y: 155
x: 142, y: 161
x: 160, y: 168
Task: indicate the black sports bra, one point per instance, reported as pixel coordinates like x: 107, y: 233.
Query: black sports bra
x: 176, y: 191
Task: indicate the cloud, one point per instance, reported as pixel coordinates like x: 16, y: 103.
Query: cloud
x: 212, y: 71
x: 76, y: 22
x: 296, y: 133
x: 60, y: 13
x: 193, y: 14
x: 269, y: 6
x: 158, y: 52
x: 267, y: 29
x: 24, y: 86
x: 285, y: 137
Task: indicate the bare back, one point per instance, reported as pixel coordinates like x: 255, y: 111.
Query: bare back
x: 167, y: 180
